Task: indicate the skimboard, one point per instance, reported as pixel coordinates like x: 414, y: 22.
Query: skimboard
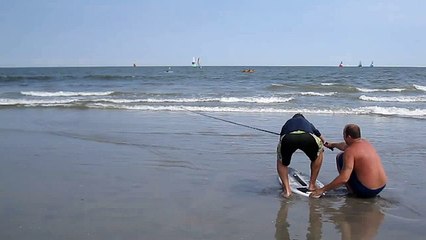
x: 299, y: 182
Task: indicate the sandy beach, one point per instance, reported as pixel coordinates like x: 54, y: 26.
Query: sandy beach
x: 115, y: 174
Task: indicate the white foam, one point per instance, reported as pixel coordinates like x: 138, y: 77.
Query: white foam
x: 394, y: 99
x: 256, y: 99
x: 405, y: 112
x: 328, y: 84
x: 380, y: 90
x: 317, y: 93
x: 153, y: 100
x: 65, y: 94
x: 179, y: 100
x: 393, y: 111
x: 28, y: 102
x: 220, y: 109
x: 195, y: 100
x: 420, y: 87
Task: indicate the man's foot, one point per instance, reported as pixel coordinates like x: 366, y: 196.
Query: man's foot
x: 312, y: 188
x: 285, y: 194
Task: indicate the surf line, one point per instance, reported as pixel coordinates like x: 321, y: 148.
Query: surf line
x: 231, y: 122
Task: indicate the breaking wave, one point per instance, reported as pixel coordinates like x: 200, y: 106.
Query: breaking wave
x: 381, y: 90
x: 65, y: 94
x: 405, y: 99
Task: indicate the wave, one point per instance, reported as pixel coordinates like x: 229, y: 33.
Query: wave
x: 380, y: 90
x: 25, y: 77
x: 419, y: 113
x: 219, y: 109
x: 317, y: 93
x: 33, y: 102
x: 394, y: 99
x: 420, y: 87
x: 65, y: 94
x: 256, y: 99
x: 27, y: 102
x: 328, y: 84
x: 393, y: 111
x: 78, y: 103
x: 109, y: 77
x: 195, y: 100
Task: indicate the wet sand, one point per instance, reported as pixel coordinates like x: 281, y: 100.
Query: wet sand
x: 104, y: 174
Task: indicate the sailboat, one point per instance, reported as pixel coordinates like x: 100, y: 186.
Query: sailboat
x: 196, y: 62
x: 371, y: 65
x: 360, y: 64
x: 169, y: 70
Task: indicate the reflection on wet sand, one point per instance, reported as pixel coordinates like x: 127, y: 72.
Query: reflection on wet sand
x: 352, y: 219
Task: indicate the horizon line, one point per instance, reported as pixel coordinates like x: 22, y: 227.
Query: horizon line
x: 131, y: 66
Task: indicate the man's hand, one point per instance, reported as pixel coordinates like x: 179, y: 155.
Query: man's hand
x: 328, y: 145
x: 317, y: 193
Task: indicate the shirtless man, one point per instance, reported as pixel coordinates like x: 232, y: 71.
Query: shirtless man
x: 359, y: 166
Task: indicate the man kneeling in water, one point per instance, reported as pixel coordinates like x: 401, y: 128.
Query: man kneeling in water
x: 359, y: 166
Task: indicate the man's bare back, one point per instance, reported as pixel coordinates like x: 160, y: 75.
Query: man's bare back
x: 366, y: 164
x: 360, y: 167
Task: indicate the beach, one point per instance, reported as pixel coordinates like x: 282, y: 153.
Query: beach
x: 122, y: 174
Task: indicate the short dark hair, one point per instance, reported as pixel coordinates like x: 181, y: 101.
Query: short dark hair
x: 353, y: 131
x: 298, y: 115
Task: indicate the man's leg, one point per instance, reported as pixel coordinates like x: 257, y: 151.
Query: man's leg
x: 339, y: 165
x: 283, y: 173
x: 339, y: 161
x: 315, y: 168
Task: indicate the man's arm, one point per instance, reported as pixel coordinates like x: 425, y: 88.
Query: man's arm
x: 342, y: 178
x: 341, y: 145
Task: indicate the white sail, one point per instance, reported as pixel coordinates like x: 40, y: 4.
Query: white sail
x: 194, y: 64
x: 198, y: 63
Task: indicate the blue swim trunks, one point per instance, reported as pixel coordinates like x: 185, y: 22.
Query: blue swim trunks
x: 356, y: 186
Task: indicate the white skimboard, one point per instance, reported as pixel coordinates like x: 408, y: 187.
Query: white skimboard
x: 299, y: 182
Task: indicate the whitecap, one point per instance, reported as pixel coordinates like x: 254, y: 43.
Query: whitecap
x: 394, y: 99
x: 380, y: 90
x: 392, y: 111
x: 420, y: 87
x: 317, y: 94
x: 64, y: 94
x: 33, y: 102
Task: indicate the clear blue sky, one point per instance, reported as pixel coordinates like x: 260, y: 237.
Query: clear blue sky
x: 221, y: 32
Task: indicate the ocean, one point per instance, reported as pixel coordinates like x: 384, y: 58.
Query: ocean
x: 395, y: 92
x: 189, y: 153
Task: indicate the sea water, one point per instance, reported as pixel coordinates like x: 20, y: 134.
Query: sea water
x: 385, y: 91
x: 124, y: 153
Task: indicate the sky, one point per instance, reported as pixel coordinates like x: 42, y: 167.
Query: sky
x: 46, y: 33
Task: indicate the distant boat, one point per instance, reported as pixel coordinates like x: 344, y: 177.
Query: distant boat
x: 341, y: 64
x: 360, y: 64
x: 371, y: 65
x: 196, y: 62
x: 248, y: 70
x: 169, y: 70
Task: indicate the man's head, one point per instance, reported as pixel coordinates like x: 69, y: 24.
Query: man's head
x: 352, y: 131
x: 297, y: 115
